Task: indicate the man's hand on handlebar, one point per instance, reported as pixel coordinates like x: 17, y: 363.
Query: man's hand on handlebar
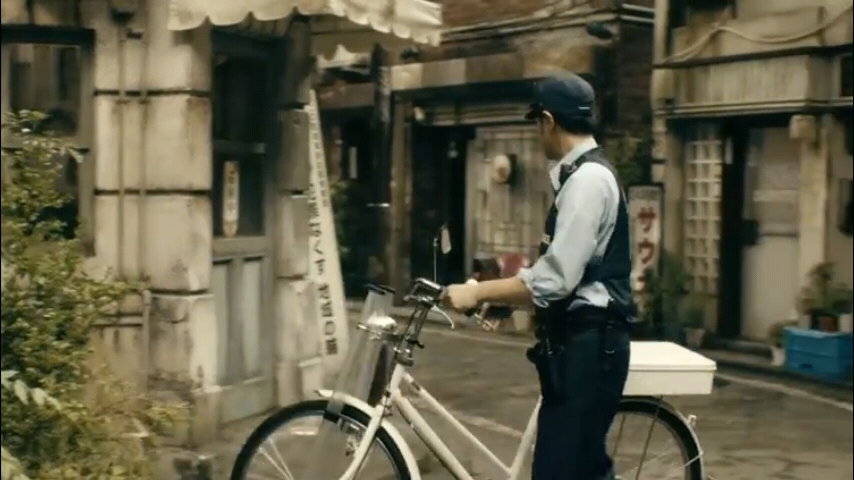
x: 462, y: 297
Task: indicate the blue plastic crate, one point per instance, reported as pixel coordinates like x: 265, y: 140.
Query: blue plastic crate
x: 818, y: 366
x: 834, y: 345
x: 819, y: 354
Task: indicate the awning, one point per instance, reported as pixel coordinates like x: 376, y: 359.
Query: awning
x: 355, y: 24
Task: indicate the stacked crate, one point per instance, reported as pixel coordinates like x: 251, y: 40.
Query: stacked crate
x: 819, y: 354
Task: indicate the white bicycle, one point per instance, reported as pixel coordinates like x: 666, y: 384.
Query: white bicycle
x: 349, y: 434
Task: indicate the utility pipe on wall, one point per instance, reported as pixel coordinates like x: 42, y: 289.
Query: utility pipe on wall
x: 142, y: 245
x: 122, y: 18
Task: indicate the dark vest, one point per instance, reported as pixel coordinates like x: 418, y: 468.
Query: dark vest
x: 614, y: 267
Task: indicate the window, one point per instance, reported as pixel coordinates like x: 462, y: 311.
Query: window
x: 47, y: 72
x: 241, y: 106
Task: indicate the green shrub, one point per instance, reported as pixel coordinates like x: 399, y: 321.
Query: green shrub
x: 664, y: 291
x: 630, y: 156
x: 50, y: 306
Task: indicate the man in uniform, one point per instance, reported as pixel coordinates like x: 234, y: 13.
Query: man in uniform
x: 579, y: 287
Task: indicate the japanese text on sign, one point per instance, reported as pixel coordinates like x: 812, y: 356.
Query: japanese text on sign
x: 645, y: 207
x: 230, y: 198
x: 325, y: 266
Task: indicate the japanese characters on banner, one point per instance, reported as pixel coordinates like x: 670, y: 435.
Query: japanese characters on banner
x: 230, y: 198
x: 325, y: 269
x: 645, y: 204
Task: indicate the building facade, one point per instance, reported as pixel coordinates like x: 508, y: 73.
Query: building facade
x: 753, y: 108
x: 192, y: 116
x: 460, y: 106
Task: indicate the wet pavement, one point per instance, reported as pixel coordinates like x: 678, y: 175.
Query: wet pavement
x: 748, y: 432
x: 750, y: 427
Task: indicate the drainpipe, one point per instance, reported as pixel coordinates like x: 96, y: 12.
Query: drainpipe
x: 122, y: 23
x: 143, y: 196
x: 122, y: 13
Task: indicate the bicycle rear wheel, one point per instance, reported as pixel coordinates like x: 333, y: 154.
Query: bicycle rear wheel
x: 277, y: 449
x: 648, y: 441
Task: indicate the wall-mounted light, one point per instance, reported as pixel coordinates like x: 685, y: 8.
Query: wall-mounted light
x: 411, y: 52
x: 418, y: 114
x: 600, y: 31
x: 452, y: 150
x: 123, y: 10
x: 503, y: 168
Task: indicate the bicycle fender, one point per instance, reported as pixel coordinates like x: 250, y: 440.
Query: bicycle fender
x: 660, y: 403
x: 393, y: 432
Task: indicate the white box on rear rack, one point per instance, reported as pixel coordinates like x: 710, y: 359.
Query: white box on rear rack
x: 665, y: 368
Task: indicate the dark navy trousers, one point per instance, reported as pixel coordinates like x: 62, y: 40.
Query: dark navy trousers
x: 581, y: 393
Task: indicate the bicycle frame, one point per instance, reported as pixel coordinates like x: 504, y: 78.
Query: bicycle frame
x: 395, y: 398
x: 403, y: 344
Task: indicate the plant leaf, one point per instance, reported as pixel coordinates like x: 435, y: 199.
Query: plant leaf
x: 21, y: 391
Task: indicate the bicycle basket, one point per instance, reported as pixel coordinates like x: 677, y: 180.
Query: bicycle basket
x: 363, y: 376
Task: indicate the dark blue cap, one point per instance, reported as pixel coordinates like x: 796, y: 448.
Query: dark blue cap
x: 563, y: 94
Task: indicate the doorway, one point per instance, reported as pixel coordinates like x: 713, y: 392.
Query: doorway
x: 244, y: 74
x: 736, y: 231
x: 439, y: 198
x: 771, y: 191
x: 355, y: 165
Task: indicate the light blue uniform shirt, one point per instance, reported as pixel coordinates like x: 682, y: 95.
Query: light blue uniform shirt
x: 587, y: 211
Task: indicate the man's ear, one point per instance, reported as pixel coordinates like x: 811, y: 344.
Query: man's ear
x: 548, y: 122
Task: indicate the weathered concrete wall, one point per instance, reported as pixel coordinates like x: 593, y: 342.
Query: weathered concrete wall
x: 840, y: 250
x: 152, y: 117
x: 788, y: 24
x: 297, y: 337
x: 152, y: 154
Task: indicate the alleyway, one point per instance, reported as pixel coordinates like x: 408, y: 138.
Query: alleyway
x: 749, y: 432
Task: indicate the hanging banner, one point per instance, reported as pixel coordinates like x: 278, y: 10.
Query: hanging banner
x: 230, y: 198
x: 645, y: 205
x: 325, y: 271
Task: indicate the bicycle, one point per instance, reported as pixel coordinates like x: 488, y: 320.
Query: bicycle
x: 368, y: 430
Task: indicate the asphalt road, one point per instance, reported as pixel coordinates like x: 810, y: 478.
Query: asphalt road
x: 750, y: 427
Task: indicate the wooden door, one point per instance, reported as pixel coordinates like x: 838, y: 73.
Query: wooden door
x: 242, y: 278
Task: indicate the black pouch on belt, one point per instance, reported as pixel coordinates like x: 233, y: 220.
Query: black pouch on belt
x: 551, y: 370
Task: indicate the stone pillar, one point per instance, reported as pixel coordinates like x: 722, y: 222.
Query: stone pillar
x: 812, y: 190
x: 399, y: 231
x: 152, y: 153
x: 667, y: 169
x: 297, y: 334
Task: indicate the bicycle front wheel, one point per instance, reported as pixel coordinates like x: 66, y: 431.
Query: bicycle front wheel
x: 279, y: 448
x: 648, y: 441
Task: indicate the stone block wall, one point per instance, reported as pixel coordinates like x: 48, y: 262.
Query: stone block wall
x: 152, y: 212
x: 152, y: 153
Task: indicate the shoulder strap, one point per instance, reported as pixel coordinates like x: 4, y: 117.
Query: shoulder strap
x: 593, y: 155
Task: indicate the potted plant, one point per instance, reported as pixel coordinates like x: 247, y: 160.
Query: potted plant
x: 819, y: 299
x: 843, y: 304
x: 660, y: 297
x: 776, y: 339
x: 693, y: 320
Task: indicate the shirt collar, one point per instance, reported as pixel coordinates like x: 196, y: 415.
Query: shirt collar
x: 571, y: 157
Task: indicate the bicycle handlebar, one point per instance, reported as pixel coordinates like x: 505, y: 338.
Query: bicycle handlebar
x: 429, y: 293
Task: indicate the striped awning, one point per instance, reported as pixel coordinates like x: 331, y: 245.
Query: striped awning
x: 355, y: 24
